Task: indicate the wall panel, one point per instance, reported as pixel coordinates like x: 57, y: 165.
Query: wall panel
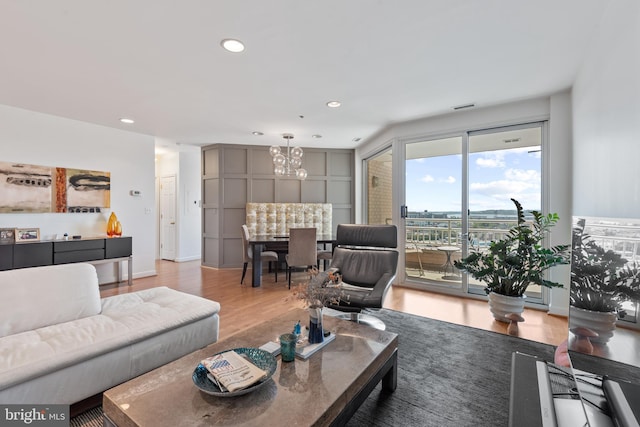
x: 263, y: 190
x: 247, y: 176
x: 235, y: 191
x: 289, y: 191
x: 314, y: 191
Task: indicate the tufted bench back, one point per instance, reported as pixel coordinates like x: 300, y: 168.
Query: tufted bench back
x: 278, y: 218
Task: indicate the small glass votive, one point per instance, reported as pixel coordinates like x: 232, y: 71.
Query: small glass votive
x: 288, y: 347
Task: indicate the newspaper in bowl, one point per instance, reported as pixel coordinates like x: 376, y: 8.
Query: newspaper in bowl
x: 260, y: 358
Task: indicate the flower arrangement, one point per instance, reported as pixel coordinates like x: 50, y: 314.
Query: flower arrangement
x: 324, y: 288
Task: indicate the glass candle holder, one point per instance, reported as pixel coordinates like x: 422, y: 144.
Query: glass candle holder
x: 288, y: 347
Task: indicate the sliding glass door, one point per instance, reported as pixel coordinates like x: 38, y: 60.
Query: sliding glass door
x: 433, y: 214
x: 458, y: 194
x: 503, y: 164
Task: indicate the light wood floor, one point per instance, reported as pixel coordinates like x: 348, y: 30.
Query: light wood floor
x: 243, y: 305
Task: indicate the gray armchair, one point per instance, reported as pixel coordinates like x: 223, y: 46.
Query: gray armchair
x: 366, y: 259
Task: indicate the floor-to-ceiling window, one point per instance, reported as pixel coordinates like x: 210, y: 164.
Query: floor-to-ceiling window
x: 457, y: 192
x: 503, y: 164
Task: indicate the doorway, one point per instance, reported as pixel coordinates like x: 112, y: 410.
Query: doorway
x: 168, y: 217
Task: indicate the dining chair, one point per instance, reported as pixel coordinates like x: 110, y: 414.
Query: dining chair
x: 325, y: 256
x: 303, y: 249
x: 247, y: 254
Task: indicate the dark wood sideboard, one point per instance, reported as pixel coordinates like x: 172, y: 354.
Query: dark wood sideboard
x: 94, y: 250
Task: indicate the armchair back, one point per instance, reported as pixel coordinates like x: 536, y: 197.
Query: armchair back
x: 366, y: 257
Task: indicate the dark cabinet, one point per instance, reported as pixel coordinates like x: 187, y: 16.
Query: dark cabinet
x: 6, y: 257
x: 78, y: 251
x: 118, y: 248
x: 32, y: 254
x: 20, y: 255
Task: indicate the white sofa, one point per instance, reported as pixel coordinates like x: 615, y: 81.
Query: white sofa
x: 60, y: 343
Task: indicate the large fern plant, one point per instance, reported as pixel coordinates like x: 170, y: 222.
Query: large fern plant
x: 519, y: 259
x: 601, y: 280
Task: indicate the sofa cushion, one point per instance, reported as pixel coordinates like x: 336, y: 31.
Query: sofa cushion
x: 31, y: 298
x: 125, y: 319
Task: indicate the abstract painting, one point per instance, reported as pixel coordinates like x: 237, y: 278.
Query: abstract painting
x: 25, y: 188
x: 87, y: 191
x: 32, y: 189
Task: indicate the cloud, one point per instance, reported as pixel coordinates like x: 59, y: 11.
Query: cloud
x: 517, y: 183
x: 448, y: 180
x: 427, y: 178
x: 522, y: 175
x: 493, y: 160
x: 500, y: 188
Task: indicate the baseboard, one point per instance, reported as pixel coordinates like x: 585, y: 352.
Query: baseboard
x: 188, y: 258
x: 140, y: 274
x: 559, y: 311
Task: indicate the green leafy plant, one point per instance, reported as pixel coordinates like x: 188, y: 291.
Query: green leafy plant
x: 511, y: 264
x: 601, y: 280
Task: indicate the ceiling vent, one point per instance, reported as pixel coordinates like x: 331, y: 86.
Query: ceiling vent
x: 462, y: 107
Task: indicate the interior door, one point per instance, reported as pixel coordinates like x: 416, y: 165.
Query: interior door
x: 168, y: 217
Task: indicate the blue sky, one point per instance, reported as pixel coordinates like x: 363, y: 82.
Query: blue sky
x: 435, y: 183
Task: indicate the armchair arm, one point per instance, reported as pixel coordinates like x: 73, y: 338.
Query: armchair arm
x: 375, y: 299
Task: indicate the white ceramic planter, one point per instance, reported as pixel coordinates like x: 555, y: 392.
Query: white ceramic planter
x: 602, y: 323
x: 501, y: 305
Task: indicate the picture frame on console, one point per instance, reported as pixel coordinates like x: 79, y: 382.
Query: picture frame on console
x: 25, y: 235
x: 7, y: 236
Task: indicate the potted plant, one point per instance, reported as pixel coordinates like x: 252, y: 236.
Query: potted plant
x: 601, y: 281
x: 511, y: 264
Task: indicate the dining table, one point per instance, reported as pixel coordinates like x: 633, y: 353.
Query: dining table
x: 258, y: 243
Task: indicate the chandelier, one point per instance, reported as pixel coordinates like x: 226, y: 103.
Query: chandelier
x: 288, y: 164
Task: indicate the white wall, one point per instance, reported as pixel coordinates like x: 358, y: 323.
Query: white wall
x: 189, y: 212
x: 556, y: 108
x: 558, y: 190
x: 40, y: 139
x: 606, y: 119
x: 183, y: 162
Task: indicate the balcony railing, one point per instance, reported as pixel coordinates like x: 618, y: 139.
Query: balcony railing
x: 425, y: 233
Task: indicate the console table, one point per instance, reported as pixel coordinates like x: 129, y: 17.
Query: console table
x: 94, y: 250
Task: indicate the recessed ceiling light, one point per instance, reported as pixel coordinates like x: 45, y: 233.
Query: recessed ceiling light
x: 316, y: 136
x: 256, y: 133
x: 232, y: 45
x: 333, y: 104
x: 127, y: 121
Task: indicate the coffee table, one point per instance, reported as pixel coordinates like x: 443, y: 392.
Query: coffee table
x: 325, y: 389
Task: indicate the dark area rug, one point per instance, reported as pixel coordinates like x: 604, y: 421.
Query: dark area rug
x: 448, y: 375
x: 90, y: 418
